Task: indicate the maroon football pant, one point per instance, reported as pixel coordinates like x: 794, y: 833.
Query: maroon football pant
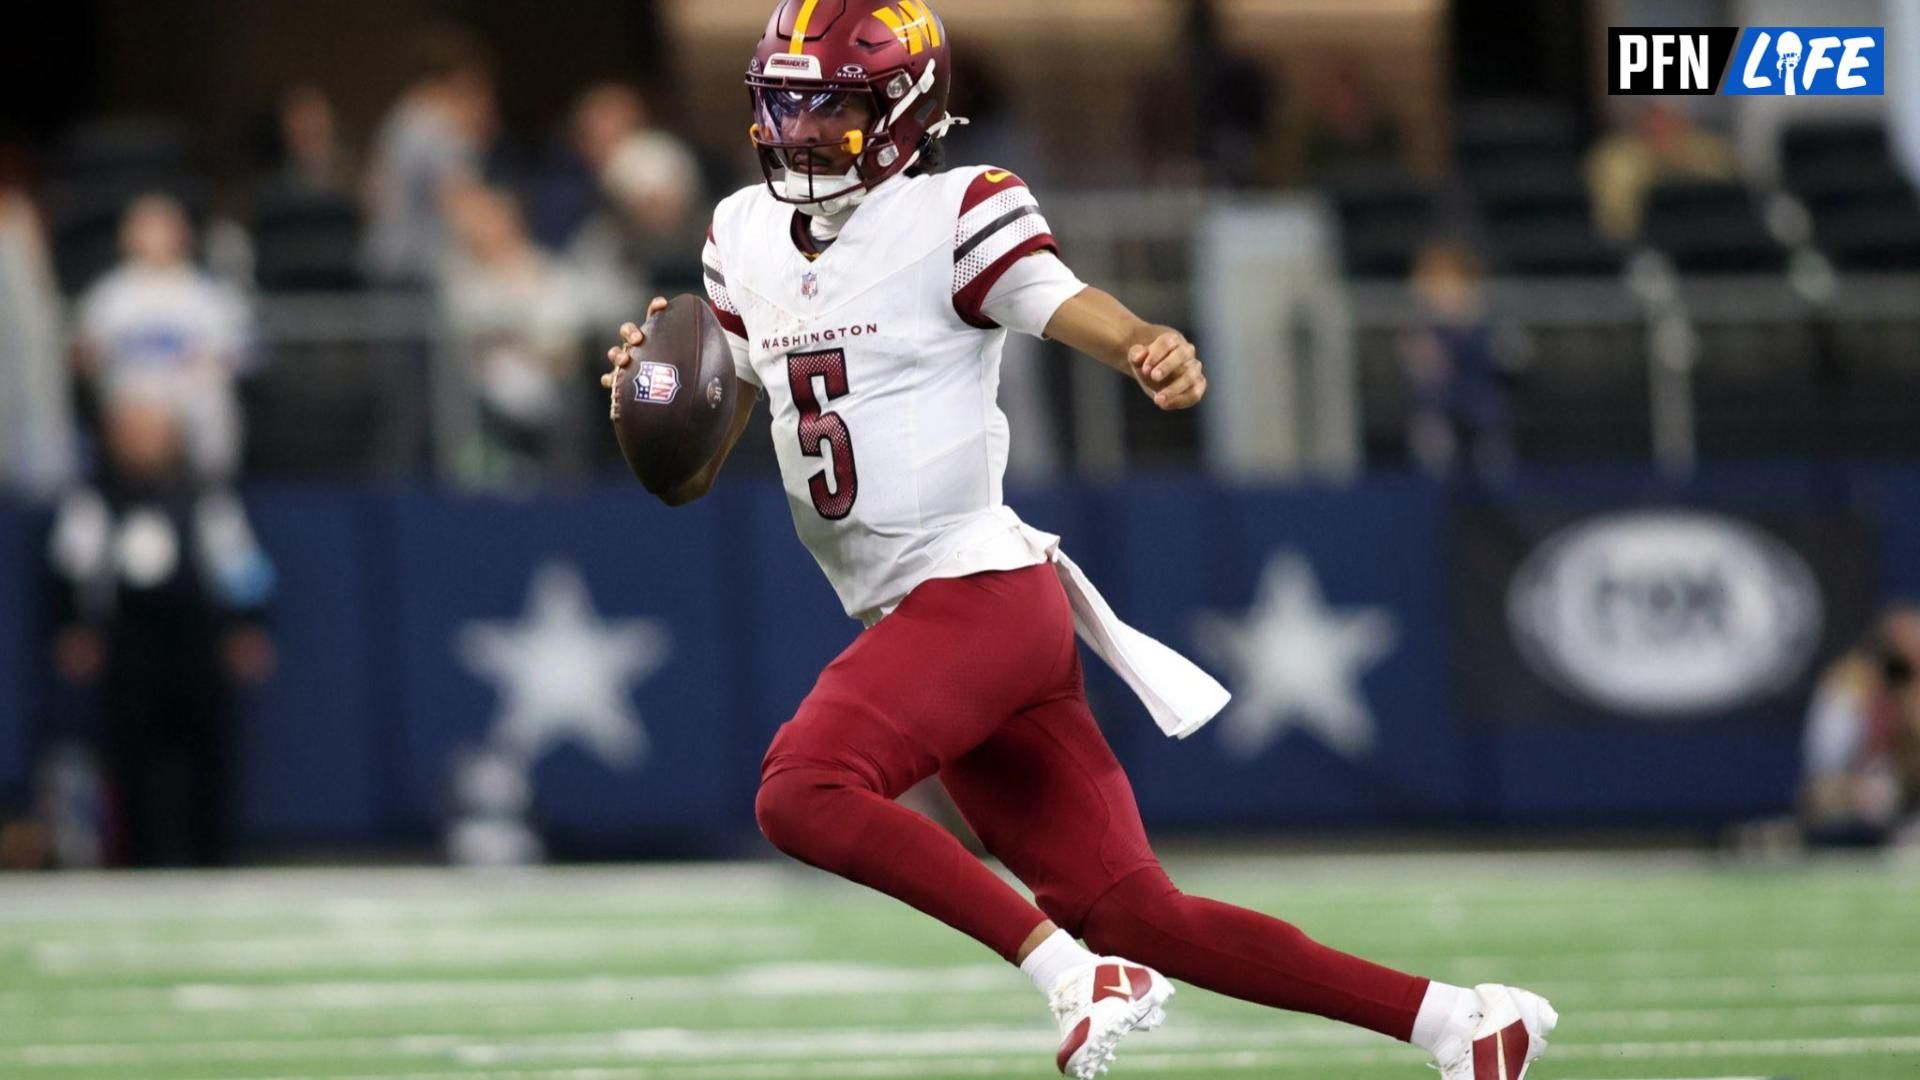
x: 977, y: 680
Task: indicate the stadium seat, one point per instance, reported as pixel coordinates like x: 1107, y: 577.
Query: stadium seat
x: 1560, y: 247
x: 1871, y: 238
x: 306, y: 241
x: 1498, y: 140
x: 1538, y: 221
x: 1384, y: 218
x: 1711, y: 228
x: 1812, y: 152
x: 1535, y: 189
x: 120, y: 147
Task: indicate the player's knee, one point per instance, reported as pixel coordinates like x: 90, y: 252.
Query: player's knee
x: 795, y: 809
x: 782, y: 809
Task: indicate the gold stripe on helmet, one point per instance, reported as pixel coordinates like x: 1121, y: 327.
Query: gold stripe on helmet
x: 922, y: 15
x: 900, y: 29
x: 800, y: 22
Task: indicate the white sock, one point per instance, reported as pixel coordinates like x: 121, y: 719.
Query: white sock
x: 1444, y: 1011
x: 1053, y: 958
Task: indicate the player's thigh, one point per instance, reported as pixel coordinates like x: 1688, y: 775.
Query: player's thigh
x: 932, y: 681
x: 1048, y: 798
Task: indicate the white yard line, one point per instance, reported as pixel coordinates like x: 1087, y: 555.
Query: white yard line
x: 1338, y: 878
x: 1208, y: 1046
x: 1684, y: 962
x: 509, y: 1020
x: 847, y: 981
x: 459, y: 947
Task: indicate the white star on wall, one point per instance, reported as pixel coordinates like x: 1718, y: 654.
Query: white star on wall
x: 564, y: 673
x: 1297, y: 663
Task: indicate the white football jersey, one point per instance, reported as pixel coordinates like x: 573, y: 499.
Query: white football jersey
x: 882, y: 372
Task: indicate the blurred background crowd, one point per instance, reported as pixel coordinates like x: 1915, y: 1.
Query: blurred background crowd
x: 364, y: 243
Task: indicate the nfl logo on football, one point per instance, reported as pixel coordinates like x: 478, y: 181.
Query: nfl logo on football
x: 655, y: 384
x: 809, y: 284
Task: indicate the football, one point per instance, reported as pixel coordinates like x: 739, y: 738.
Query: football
x: 673, y: 404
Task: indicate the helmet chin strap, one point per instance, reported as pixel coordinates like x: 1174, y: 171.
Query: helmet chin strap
x: 939, y: 128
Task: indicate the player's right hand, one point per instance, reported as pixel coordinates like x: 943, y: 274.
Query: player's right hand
x: 631, y: 337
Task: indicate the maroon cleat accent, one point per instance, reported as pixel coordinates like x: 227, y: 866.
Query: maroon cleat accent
x: 1502, y: 1055
x: 1486, y: 1063
x: 1072, y: 1043
x: 1117, y: 981
x: 1514, y: 1041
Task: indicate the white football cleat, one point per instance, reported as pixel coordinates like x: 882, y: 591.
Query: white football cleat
x: 1509, y: 1031
x: 1097, y: 1004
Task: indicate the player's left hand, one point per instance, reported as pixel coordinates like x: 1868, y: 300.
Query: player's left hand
x: 631, y: 338
x: 1169, y: 371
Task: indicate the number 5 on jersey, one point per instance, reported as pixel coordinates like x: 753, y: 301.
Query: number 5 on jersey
x: 816, y: 428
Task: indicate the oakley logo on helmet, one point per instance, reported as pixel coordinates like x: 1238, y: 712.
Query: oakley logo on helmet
x: 852, y: 71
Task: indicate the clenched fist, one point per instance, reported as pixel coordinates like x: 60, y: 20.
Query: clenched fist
x: 1169, y: 371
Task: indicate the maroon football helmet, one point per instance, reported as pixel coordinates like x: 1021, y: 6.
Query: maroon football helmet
x: 862, y: 77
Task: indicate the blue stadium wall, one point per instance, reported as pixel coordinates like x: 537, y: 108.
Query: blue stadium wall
x: 1394, y: 704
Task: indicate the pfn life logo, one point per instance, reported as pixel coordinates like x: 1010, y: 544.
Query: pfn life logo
x: 1785, y: 60
x: 1795, y: 60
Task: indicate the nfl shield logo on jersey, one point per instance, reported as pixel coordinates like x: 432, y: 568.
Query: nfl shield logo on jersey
x: 655, y: 384
x: 809, y: 284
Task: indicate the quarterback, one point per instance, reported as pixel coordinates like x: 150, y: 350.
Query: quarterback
x: 867, y: 294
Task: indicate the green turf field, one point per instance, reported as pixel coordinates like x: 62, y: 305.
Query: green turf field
x: 1661, y: 968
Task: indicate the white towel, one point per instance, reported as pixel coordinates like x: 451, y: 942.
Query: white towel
x: 1180, y: 696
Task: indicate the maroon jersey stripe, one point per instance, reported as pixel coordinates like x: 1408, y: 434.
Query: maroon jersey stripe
x: 985, y: 186
x: 732, y: 323
x: 967, y: 301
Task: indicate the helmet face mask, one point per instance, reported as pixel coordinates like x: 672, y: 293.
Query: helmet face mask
x: 813, y: 139
x: 845, y: 95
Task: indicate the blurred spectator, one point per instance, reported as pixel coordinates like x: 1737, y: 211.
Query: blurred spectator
x: 517, y: 316
x: 653, y: 180
x: 161, y: 589
x: 641, y: 227
x: 1660, y: 144
x: 569, y: 193
x: 303, y: 151
x: 1346, y: 128
x: 1453, y: 366
x: 1861, y: 781
x: 433, y: 140
x: 157, y: 325
x: 36, y: 428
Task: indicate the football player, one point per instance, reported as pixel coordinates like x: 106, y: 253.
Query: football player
x: 867, y: 294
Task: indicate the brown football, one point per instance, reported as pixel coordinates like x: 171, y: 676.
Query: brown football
x: 673, y: 404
